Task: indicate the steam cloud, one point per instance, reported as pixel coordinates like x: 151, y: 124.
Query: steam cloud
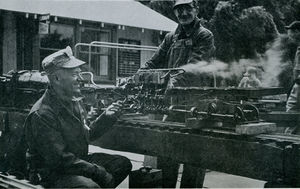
x: 268, y: 65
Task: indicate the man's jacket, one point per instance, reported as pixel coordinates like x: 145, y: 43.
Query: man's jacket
x: 178, y: 49
x: 58, y: 139
x: 297, y: 63
x: 293, y: 102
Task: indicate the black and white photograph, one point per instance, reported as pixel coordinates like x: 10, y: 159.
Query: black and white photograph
x: 149, y: 94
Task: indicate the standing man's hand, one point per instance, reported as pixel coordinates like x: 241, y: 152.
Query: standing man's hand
x: 178, y: 81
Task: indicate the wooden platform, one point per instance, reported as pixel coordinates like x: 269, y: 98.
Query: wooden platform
x: 225, y: 152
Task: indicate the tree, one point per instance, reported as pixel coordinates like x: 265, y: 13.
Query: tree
x: 246, y: 29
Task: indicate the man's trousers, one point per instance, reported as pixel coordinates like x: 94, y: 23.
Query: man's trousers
x: 116, y: 165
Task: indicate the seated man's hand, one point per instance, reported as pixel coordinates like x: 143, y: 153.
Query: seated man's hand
x: 114, y: 110
x: 103, y: 178
x: 107, y: 181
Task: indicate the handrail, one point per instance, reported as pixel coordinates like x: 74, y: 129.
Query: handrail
x: 113, y: 46
x: 122, y: 44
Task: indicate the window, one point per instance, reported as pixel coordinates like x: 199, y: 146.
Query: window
x: 129, y: 60
x: 99, y: 57
x: 60, y: 36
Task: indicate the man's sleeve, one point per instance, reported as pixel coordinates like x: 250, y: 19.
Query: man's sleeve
x: 158, y: 60
x: 45, y: 134
x: 297, y: 58
x: 204, y: 47
x: 293, y: 102
x: 297, y: 63
x: 101, y: 125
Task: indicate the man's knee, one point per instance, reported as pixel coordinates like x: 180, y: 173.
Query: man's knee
x: 125, y: 163
x: 121, y: 169
x: 118, y: 166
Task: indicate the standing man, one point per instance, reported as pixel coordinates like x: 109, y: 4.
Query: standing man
x: 293, y: 105
x: 58, y: 137
x: 189, y: 43
x: 293, y: 102
x: 293, y: 31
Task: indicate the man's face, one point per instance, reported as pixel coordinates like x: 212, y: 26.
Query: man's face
x: 68, y: 81
x: 185, y: 13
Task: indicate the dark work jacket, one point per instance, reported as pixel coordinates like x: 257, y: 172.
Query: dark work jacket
x: 178, y: 49
x: 297, y: 63
x: 58, y: 140
x: 293, y: 102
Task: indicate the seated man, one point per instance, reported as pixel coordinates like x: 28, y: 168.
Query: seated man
x: 58, y: 137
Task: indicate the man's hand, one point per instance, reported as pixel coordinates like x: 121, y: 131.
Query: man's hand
x: 108, y: 182
x: 103, y: 178
x: 114, y: 110
x: 177, y: 81
x: 172, y: 82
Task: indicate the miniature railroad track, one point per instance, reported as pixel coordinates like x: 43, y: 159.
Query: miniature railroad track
x: 210, y: 131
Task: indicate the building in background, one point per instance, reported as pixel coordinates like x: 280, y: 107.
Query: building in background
x: 33, y: 29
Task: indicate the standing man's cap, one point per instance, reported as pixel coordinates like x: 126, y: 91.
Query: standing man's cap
x: 293, y: 26
x: 181, y: 2
x: 61, y: 59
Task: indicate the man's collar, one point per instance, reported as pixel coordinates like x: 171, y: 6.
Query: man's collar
x: 61, y: 104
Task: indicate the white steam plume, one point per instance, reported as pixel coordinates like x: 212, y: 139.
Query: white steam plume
x: 272, y: 67
x: 268, y: 65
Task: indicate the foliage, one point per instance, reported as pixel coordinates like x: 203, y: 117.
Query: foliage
x: 224, y: 23
x: 246, y: 29
x: 163, y: 7
x: 257, y: 29
x: 227, y: 18
x: 286, y: 46
x: 241, y: 34
x: 283, y: 11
